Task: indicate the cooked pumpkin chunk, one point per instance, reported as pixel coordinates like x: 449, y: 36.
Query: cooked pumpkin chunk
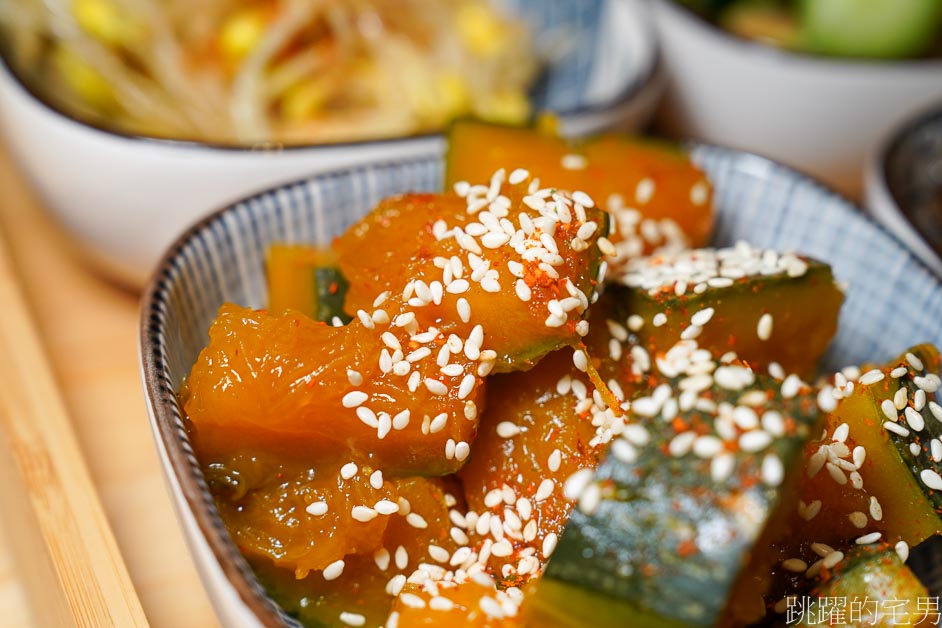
x: 669, y: 521
x: 305, y: 279
x: 305, y: 520
x: 877, y: 465
x: 460, y: 305
x: 522, y: 266
x: 764, y: 306
x: 869, y: 586
x: 657, y: 197
x: 474, y: 602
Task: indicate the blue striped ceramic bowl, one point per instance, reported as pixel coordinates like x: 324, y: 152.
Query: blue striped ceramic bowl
x: 892, y: 302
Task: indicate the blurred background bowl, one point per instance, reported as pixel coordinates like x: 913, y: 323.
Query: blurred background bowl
x: 125, y: 198
x: 819, y: 115
x: 904, y: 185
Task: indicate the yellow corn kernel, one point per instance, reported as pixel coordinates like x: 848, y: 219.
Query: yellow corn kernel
x: 102, y: 20
x: 83, y: 79
x: 480, y: 29
x: 303, y: 101
x: 505, y: 107
x: 240, y: 33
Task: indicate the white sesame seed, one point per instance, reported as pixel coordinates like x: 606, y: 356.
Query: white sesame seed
x: 931, y: 479
x: 902, y: 550
x: 773, y: 472
x: 791, y: 386
x: 764, y: 327
x: 354, y: 398
x: 856, y: 480
x: 554, y: 460
x: 352, y: 619
x: 822, y: 549
x: 895, y: 428
x: 935, y: 450
x: 876, y: 510
x: 435, y: 387
x: 571, y: 161
x: 519, y: 175
x: 832, y: 559
x: 930, y: 383
x: 702, y: 317
x: 462, y: 449
x: 795, y: 565
x: 507, y: 429
x: 438, y: 423
x: 401, y: 420
x: 836, y: 473
x: 841, y: 433
x: 317, y: 509
x: 411, y: 600
x: 810, y: 511
x: 644, y: 191
x: 919, y: 400
x: 914, y: 362
x: 401, y: 557
x: 681, y: 444
x: 721, y: 467
x: 698, y: 193
x: 545, y: 489
x: 580, y: 360
x: 333, y: 570
x: 871, y: 377
x: 859, y: 456
x: 363, y: 513
x: 349, y: 470
x: 354, y: 377
x: 754, y: 441
x: 858, y: 519
x: 416, y: 520
x: 386, y: 507
x: 914, y: 419
x: 889, y: 409
x: 901, y: 398
x: 899, y: 371
x: 914, y: 449
x: 659, y: 319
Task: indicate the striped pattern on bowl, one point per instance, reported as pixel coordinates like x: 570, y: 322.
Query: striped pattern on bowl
x: 892, y: 300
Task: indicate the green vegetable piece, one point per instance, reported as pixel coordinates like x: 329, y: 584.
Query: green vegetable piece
x: 674, y: 512
x: 765, y: 306
x: 870, y: 28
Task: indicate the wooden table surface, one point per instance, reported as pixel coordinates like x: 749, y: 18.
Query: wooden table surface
x: 89, y: 327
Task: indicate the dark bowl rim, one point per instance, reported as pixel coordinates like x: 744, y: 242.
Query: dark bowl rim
x: 806, y: 59
x: 159, y: 393
x: 635, y: 88
x: 900, y: 134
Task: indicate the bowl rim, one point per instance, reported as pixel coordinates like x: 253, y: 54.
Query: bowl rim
x: 646, y: 76
x: 794, y: 57
x: 159, y: 393
x: 883, y: 203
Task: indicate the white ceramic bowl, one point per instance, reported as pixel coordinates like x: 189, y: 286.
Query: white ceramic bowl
x: 892, y: 302
x: 125, y: 198
x: 821, y: 116
x: 904, y: 185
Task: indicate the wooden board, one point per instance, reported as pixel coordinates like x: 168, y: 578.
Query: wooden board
x: 88, y: 328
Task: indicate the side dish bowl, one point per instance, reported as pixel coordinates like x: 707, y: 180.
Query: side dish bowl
x: 819, y: 115
x: 904, y: 185
x: 892, y: 301
x: 126, y: 197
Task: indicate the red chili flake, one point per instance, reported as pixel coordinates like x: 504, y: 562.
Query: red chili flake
x: 334, y: 288
x: 687, y: 548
